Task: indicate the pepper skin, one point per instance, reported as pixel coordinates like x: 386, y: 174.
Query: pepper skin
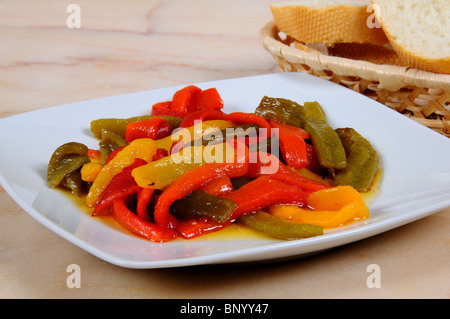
x: 146, y: 229
x: 121, y: 186
x: 262, y: 192
x: 65, y: 161
x: 199, y: 204
x: 278, y: 227
x: 193, y: 180
x: 119, y: 125
x: 143, y: 148
x: 362, y: 161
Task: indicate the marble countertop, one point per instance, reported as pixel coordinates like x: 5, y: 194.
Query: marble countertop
x: 122, y: 47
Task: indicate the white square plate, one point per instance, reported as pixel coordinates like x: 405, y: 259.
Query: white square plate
x: 415, y: 181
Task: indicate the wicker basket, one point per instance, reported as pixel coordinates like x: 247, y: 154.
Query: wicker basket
x: 422, y: 96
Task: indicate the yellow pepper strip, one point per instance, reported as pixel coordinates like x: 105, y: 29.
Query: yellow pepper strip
x: 161, y: 173
x: 188, y: 134
x: 89, y: 171
x: 329, y: 208
x: 143, y: 148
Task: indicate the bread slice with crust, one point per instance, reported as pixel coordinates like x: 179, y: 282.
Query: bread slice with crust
x: 418, y: 30
x: 327, y: 21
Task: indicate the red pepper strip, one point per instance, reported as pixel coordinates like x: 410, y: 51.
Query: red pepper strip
x: 176, y: 147
x: 313, y: 163
x: 191, y: 228
x: 164, y: 109
x: 144, y: 196
x: 154, y: 128
x: 184, y: 100
x: 201, y: 115
x: 209, y: 100
x: 262, y: 192
x: 218, y: 186
x: 277, y: 170
x: 247, y: 118
x: 113, y: 154
x: 141, y: 227
x: 292, y: 144
x: 94, y: 154
x: 121, y: 186
x: 192, y: 180
x: 160, y: 153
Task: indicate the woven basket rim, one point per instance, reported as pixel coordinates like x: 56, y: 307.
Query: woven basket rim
x: 390, y: 77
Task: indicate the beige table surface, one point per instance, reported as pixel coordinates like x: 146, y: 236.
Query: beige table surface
x: 129, y: 46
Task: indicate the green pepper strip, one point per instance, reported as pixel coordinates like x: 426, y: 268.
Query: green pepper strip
x: 278, y: 227
x: 119, y: 126
x: 65, y: 160
x: 326, y: 142
x: 200, y: 204
x: 362, y: 161
x: 311, y: 118
x: 281, y: 110
x: 109, y: 141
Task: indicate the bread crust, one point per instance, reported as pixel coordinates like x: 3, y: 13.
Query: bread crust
x: 339, y: 23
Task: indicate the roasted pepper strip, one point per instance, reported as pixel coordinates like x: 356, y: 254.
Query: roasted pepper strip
x: 119, y: 125
x: 281, y: 110
x: 200, y: 116
x: 209, y: 99
x: 262, y: 192
x: 249, y: 118
x: 74, y: 183
x: 218, y: 186
x: 191, y: 228
x: 327, y: 144
x: 199, y: 204
x: 277, y: 170
x: 193, y: 180
x: 154, y: 128
x: 121, y: 186
x: 184, y: 100
x: 244, y: 132
x: 161, y: 173
x: 146, y: 229
x: 187, y: 134
x: 311, y: 118
x: 278, y: 227
x: 328, y: 208
x: 109, y: 142
x: 143, y: 148
x: 292, y: 144
x: 362, y: 161
x: 90, y: 170
x: 65, y: 160
x: 143, y: 199
x: 165, y: 109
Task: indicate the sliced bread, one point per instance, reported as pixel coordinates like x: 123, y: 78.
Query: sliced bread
x: 419, y: 31
x: 327, y: 21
